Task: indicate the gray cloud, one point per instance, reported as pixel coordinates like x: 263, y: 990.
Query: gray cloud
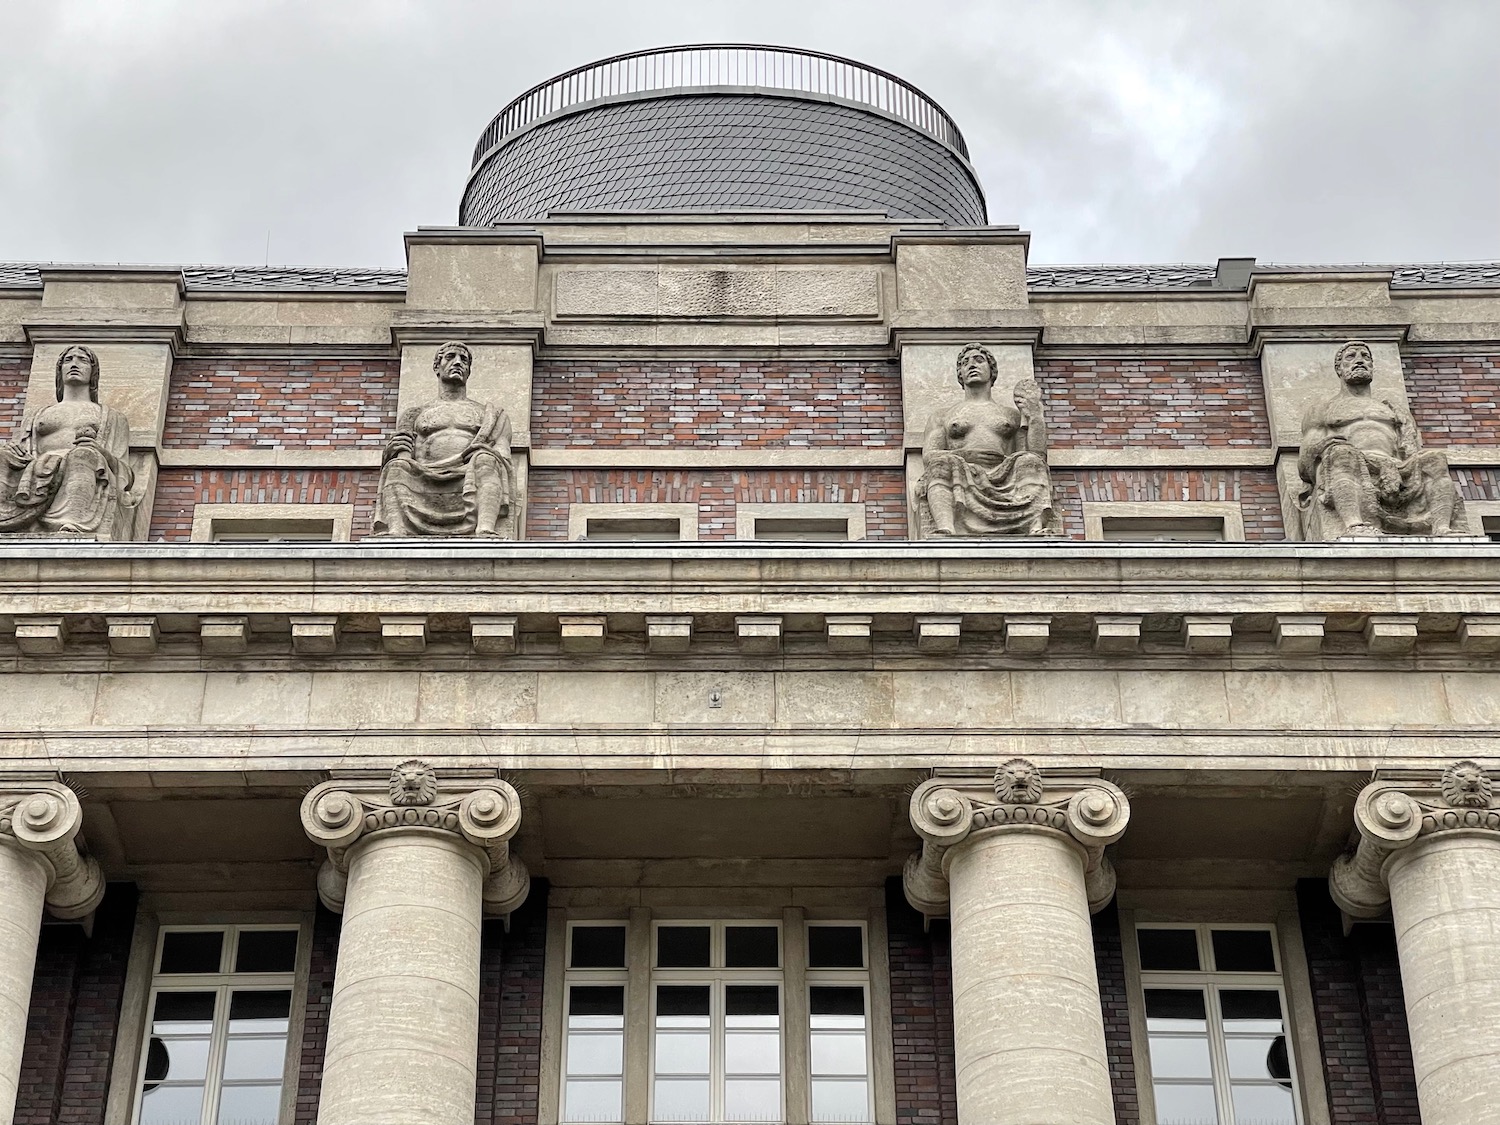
x: 1323, y: 131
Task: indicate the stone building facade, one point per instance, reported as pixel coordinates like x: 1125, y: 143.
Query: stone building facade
x: 716, y: 787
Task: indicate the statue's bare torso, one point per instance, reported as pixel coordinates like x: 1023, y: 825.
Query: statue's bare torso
x: 59, y: 426
x: 444, y: 428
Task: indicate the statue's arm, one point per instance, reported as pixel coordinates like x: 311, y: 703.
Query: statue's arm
x: 1028, y: 398
x: 1410, y: 438
x: 404, y: 441
x: 936, y: 437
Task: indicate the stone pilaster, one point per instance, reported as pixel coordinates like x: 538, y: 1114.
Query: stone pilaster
x: 414, y: 866
x: 40, y: 865
x: 1429, y: 850
x: 1017, y: 862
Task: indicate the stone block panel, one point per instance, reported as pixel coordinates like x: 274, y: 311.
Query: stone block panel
x: 14, y: 375
x: 179, y: 491
x: 1254, y: 490
x: 723, y: 404
x: 280, y: 403
x: 1151, y: 401
x: 1454, y: 398
x: 716, y: 492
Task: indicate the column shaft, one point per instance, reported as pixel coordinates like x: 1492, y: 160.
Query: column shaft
x: 1028, y: 1028
x: 1446, y: 907
x: 403, y: 1027
x: 23, y: 889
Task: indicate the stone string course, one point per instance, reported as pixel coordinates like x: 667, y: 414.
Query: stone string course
x: 716, y: 492
x: 720, y: 404
x: 280, y: 403
x: 1455, y: 398
x: 1255, y: 489
x: 178, y: 491
x: 1154, y: 402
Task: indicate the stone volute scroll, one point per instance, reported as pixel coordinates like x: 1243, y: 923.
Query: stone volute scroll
x: 341, y: 814
x: 1363, y: 469
x: 985, y: 462
x: 68, y: 471
x: 42, y: 820
x: 447, y: 470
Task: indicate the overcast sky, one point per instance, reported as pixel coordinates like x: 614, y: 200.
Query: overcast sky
x: 186, y: 131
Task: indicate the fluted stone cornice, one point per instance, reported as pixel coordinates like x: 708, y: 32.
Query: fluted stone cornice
x: 948, y: 810
x: 44, y: 819
x: 340, y: 814
x: 1398, y: 810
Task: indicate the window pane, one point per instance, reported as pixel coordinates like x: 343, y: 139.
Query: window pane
x: 1243, y: 951
x: 172, y: 1059
x: 682, y: 1002
x: 1251, y: 1010
x: 752, y: 1052
x: 259, y: 1011
x: 599, y: 1053
x: 1175, y: 1056
x: 1176, y: 1009
x: 183, y: 1009
x: 250, y: 1105
x: 592, y: 1101
x: 1168, y: 950
x: 681, y: 1099
x: 752, y: 1005
x: 172, y: 1105
x: 682, y: 1052
x: 682, y: 947
x: 752, y: 947
x: 596, y: 1005
x: 836, y: 1004
x: 835, y: 947
x: 266, y: 951
x: 263, y: 1059
x: 598, y: 947
x: 1186, y: 1105
x: 1260, y: 1056
x: 839, y: 1053
x: 752, y: 1099
x: 840, y: 1100
x: 192, y: 951
x: 1263, y: 1105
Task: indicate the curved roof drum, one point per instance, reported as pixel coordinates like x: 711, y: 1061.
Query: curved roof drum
x: 721, y: 127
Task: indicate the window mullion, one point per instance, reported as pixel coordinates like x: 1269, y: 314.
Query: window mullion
x: 1219, y: 1056
x: 218, y: 1046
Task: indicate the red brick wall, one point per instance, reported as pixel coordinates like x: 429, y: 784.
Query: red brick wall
x: 1255, y: 489
x: 1147, y: 401
x: 1109, y: 963
x: 178, y: 491
x: 1478, y: 484
x: 1361, y: 1015
x: 324, y: 960
x: 716, y: 492
x: 719, y: 403
x: 1455, y: 398
x: 510, y: 1014
x: 281, y: 402
x: 921, y: 1014
x: 14, y: 375
x: 75, y: 1015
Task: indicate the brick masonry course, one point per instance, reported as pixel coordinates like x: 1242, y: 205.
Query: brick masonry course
x: 320, y: 973
x: 717, y: 492
x: 1254, y: 489
x: 1454, y: 398
x: 14, y: 374
x: 724, y: 404
x: 281, y: 403
x: 921, y: 1014
x: 510, y: 1014
x: 1121, y: 401
x: 1109, y: 963
x: 179, y: 491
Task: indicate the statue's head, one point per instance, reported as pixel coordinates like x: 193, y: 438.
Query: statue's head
x: 1018, y: 782
x: 413, y: 782
x: 975, y: 361
x: 1466, y: 785
x: 77, y: 364
x: 1354, y: 362
x: 453, y: 362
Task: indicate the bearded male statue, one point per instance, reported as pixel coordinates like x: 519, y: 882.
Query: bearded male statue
x: 69, y: 472
x: 1362, y: 464
x: 447, y: 469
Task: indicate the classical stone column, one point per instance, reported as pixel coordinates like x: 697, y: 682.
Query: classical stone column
x: 40, y: 865
x: 414, y: 867
x: 1017, y: 862
x: 1430, y: 851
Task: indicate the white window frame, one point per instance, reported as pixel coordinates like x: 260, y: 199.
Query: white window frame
x: 591, y: 977
x: 1095, y: 512
x: 853, y: 516
x: 845, y: 978
x: 1211, y: 983
x: 210, y: 520
x: 686, y: 516
x: 223, y: 983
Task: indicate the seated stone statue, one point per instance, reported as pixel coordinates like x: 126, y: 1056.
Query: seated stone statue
x: 69, y: 472
x: 447, y: 469
x: 1363, y: 468
x: 985, y: 462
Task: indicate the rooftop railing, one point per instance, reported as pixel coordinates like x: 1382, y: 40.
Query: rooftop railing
x: 725, y: 65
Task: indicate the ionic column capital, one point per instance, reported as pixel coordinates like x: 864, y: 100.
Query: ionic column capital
x: 1400, y: 809
x: 947, y: 811
x: 339, y: 815
x: 44, y: 819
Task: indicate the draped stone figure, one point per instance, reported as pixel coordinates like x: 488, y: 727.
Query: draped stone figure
x: 985, y: 462
x: 447, y: 469
x: 69, y: 472
x: 1363, y: 468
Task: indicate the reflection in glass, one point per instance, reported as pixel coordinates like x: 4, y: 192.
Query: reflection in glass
x: 177, y: 1057
x: 250, y: 1105
x: 757, y: 1099
x: 266, y: 951
x: 752, y: 947
x: 597, y: 947
x: 1185, y: 1105
x: 1182, y: 1075
x: 1263, y: 1105
x: 680, y: 1099
x: 682, y: 947
x: 1167, y: 950
x: 595, y: 1053
x: 835, y: 947
x: 191, y: 951
x: 1243, y: 951
x: 839, y: 1054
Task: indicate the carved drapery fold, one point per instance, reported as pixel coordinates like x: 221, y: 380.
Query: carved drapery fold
x: 340, y: 814
x: 44, y: 819
x: 948, y: 810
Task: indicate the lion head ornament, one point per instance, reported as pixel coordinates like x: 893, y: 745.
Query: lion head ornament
x: 413, y: 782
x: 1466, y: 785
x: 1018, y: 782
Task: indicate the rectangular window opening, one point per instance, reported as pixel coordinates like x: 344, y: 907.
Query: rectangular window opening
x: 272, y: 531
x: 800, y: 529
x: 622, y: 529
x: 1163, y: 529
